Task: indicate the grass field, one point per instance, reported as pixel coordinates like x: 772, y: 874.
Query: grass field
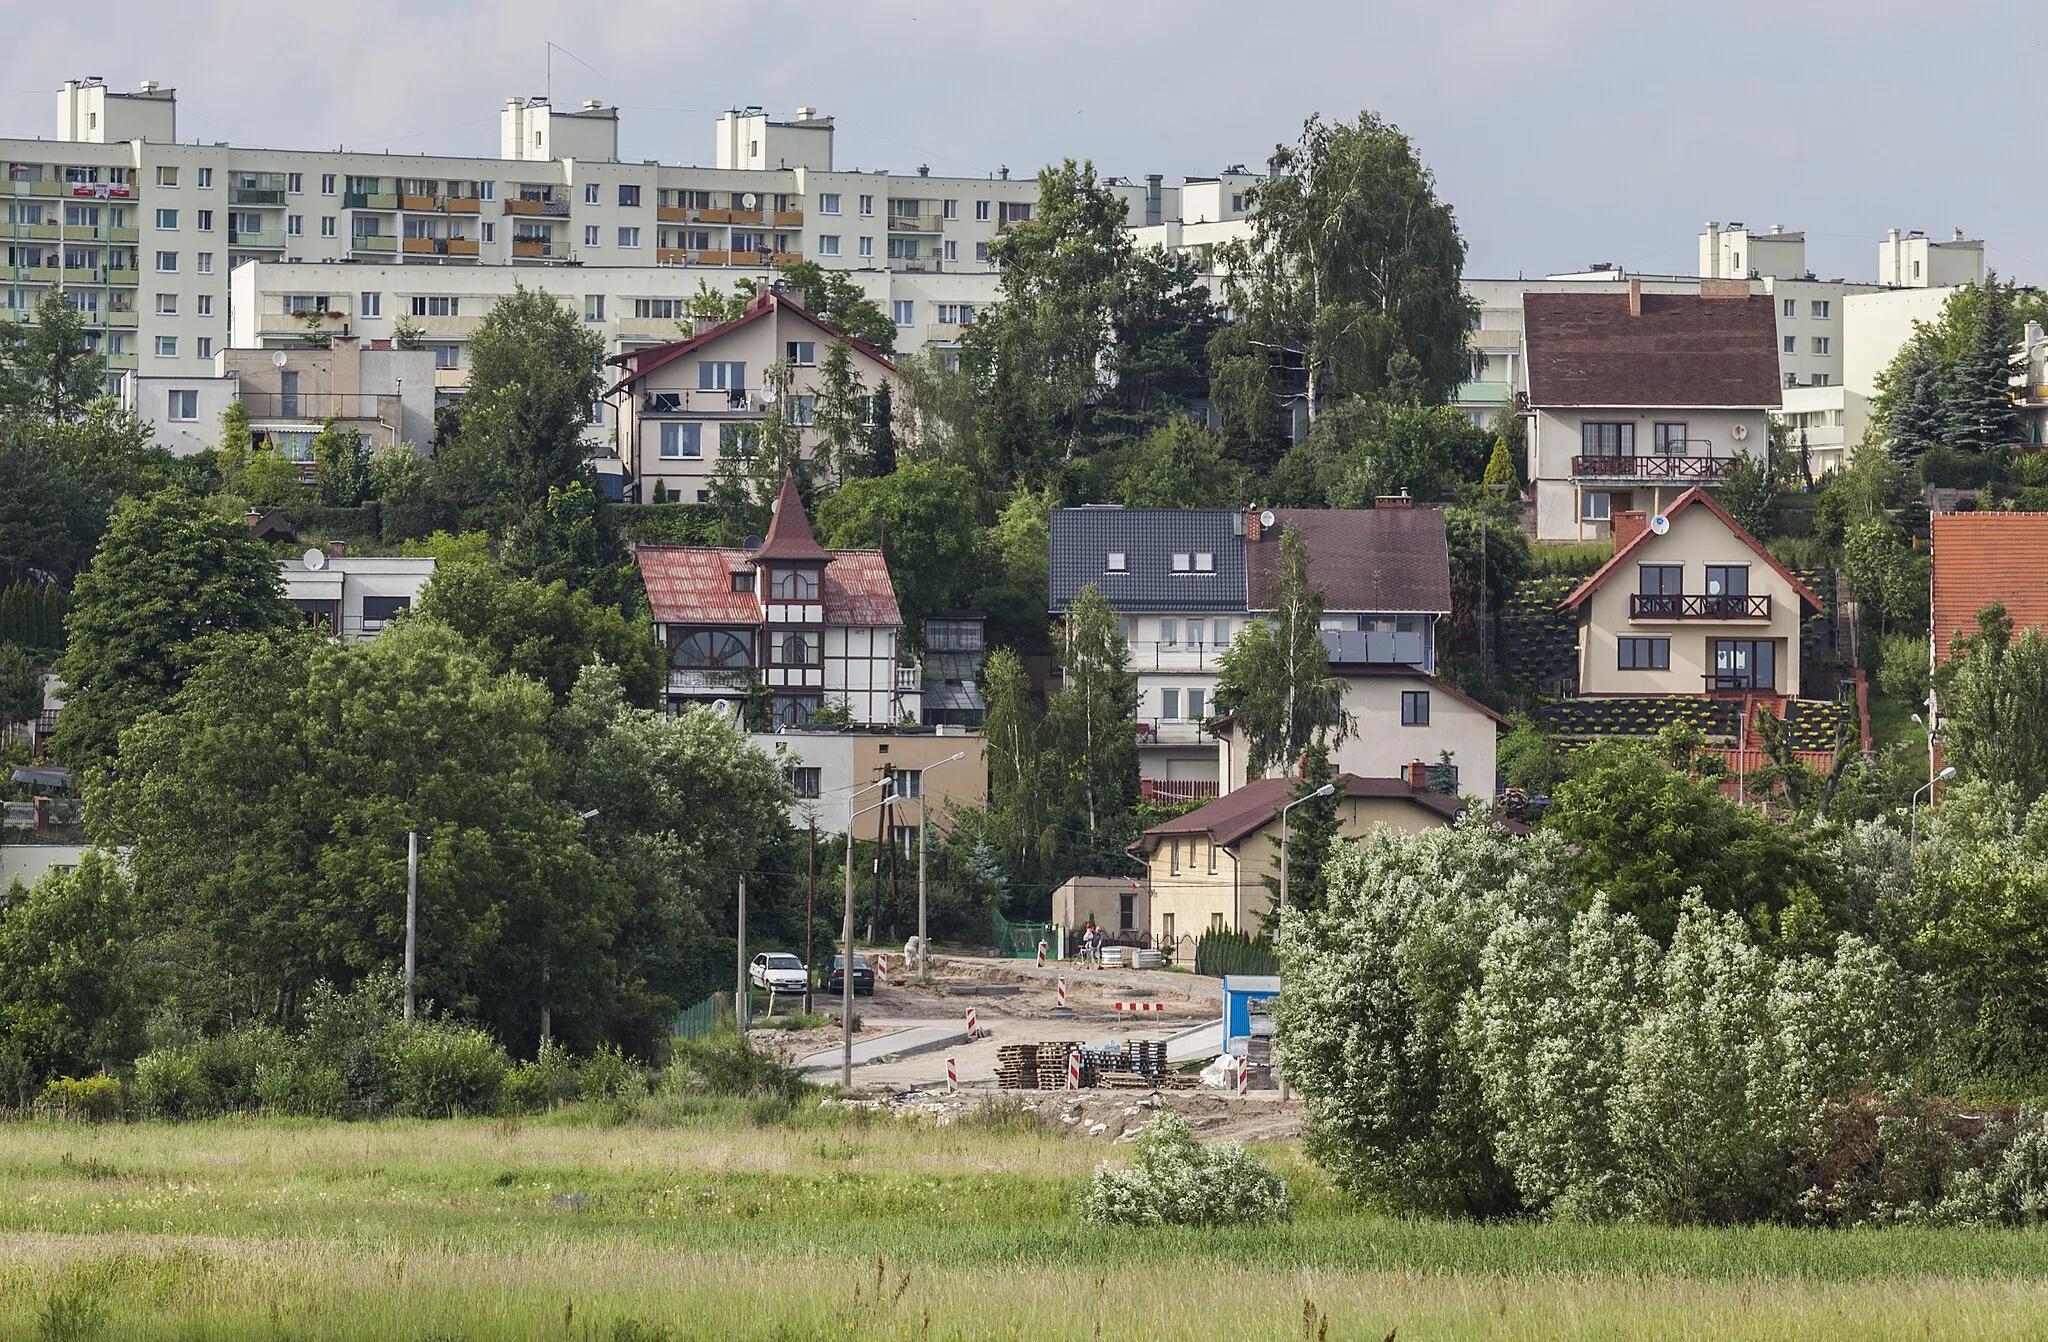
x: 711, y: 1226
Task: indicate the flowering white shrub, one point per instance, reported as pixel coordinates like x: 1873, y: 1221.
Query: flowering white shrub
x: 1179, y: 1181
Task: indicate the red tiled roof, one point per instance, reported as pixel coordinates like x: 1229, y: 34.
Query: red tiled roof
x: 640, y: 362
x: 1237, y: 815
x: 687, y: 585
x: 789, y: 533
x: 1645, y: 536
x: 1365, y: 559
x: 1587, y: 349
x: 1980, y: 558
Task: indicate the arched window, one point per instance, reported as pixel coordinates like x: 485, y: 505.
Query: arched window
x: 795, y: 712
x: 711, y: 648
x: 797, y: 650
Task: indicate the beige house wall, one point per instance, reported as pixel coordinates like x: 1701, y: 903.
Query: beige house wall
x: 1556, y: 437
x: 1381, y: 747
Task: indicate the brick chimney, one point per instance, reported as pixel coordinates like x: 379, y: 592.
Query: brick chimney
x: 1418, y: 776
x: 1635, y: 297
x: 338, y: 549
x: 1400, y: 500
x: 1629, y: 523
x: 1251, y: 526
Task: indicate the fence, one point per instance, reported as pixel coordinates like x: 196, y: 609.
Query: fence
x: 697, y: 1021
x: 1017, y: 941
x: 1220, y: 953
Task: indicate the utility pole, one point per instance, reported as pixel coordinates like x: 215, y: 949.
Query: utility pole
x: 924, y: 834
x: 846, y: 978
x: 412, y: 910
x: 882, y: 814
x: 743, y: 1001
x: 811, y: 919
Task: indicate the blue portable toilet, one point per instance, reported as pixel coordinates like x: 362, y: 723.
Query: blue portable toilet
x: 1247, y: 1009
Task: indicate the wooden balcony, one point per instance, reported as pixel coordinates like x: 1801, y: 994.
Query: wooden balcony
x: 671, y: 256
x: 739, y: 216
x: 532, y: 248
x: 1699, y: 606
x: 373, y: 242
x: 673, y: 214
x: 789, y: 218
x: 463, y: 247
x: 553, y: 209
x: 418, y: 204
x: 1699, y: 469
x: 427, y: 245
x: 462, y: 204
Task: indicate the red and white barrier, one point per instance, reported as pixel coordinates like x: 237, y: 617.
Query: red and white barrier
x: 1074, y: 1070
x: 952, y: 1077
x: 1041, y: 952
x: 1139, y: 1006
x: 1062, y: 1006
x: 970, y: 1022
x: 1244, y: 1079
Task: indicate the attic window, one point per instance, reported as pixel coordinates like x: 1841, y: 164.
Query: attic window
x: 1205, y: 562
x: 742, y: 582
x: 1180, y: 562
x: 1113, y: 562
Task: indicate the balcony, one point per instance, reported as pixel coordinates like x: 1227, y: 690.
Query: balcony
x: 692, y: 680
x: 694, y: 402
x: 1376, y: 647
x: 267, y: 238
x: 739, y: 216
x: 941, y: 333
x: 373, y: 242
x: 532, y: 248
x: 1175, y: 656
x: 1483, y: 393
x: 1172, y: 732
x: 789, y: 218
x: 369, y: 200
x: 552, y: 209
x: 319, y: 405
x: 291, y: 324
x: 427, y: 245
x: 909, y: 680
x: 418, y: 204
x: 708, y: 258
x: 916, y: 223
x: 671, y: 256
x: 916, y: 265
x: 1177, y: 791
x: 697, y: 216
x: 462, y: 205
x: 461, y: 247
x: 1699, y: 606
x: 256, y: 195
x: 1654, y: 468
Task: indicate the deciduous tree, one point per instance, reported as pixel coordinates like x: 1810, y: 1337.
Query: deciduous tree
x: 1275, y: 679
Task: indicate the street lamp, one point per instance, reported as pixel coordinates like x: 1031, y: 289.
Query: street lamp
x: 923, y: 838
x: 1928, y: 788
x: 1325, y: 790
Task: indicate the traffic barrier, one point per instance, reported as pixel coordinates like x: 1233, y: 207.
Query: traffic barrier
x: 1041, y: 952
x: 1244, y: 1079
x: 1074, y: 1070
x: 1063, y: 995
x: 970, y: 1022
x: 952, y: 1077
x: 1139, y: 1006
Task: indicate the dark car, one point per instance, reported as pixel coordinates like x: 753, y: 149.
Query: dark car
x: 863, y: 977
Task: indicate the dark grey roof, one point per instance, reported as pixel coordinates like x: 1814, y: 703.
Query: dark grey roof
x: 1148, y: 538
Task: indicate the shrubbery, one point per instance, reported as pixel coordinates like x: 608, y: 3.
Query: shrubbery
x: 1177, y: 1181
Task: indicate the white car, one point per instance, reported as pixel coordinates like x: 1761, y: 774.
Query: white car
x: 776, y: 972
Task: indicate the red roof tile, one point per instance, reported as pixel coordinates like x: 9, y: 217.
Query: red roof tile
x: 1587, y: 349
x: 640, y: 362
x: 1980, y: 558
x: 687, y: 585
x: 1645, y: 536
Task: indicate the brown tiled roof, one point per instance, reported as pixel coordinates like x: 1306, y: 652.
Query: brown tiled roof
x: 1980, y: 558
x: 1645, y: 536
x: 1235, y: 816
x: 687, y: 585
x: 1587, y: 349
x: 1365, y: 559
x: 789, y: 533
x: 640, y: 362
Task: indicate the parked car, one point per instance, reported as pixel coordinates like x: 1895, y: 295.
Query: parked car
x: 775, y: 971
x: 863, y: 976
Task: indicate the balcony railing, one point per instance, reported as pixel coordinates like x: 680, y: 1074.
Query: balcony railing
x: 374, y: 242
x: 1175, y: 656
x: 532, y: 247
x: 242, y: 237
x: 693, y: 680
x: 369, y: 200
x: 1176, y: 790
x: 916, y: 223
x: 552, y: 209
x: 255, y: 195
x: 1700, y: 606
x: 1171, y: 732
x: 909, y: 680
x: 696, y: 402
x: 317, y: 405
x: 1654, y: 467
x: 916, y: 265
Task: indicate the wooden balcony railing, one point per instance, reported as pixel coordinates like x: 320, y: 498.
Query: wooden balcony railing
x: 1699, y: 606
x: 1653, y: 467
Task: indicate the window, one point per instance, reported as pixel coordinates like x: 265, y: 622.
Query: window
x: 903, y: 311
x: 487, y: 231
x: 295, y: 224
x: 737, y: 439
x: 749, y: 242
x: 447, y: 356
x: 629, y: 196
x: 1220, y: 631
x: 1791, y: 379
x: 803, y: 781
x: 981, y: 211
x: 1643, y: 654
x: 184, y: 406
x: 867, y: 246
x: 204, y: 264
x: 1660, y: 580
x: 1113, y: 562
x: 203, y: 305
x: 1791, y: 308
x: 590, y: 235
x: 952, y: 250
x: 1194, y: 705
x: 714, y: 375
x: 802, y: 353
x: 867, y: 206
x: 828, y: 244
x: 1173, y: 848
x: 430, y: 305
x: 205, y: 178
x: 950, y: 209
x: 1183, y: 562
x: 1791, y: 344
x: 1169, y: 704
x: 1196, y: 628
x: 1607, y: 439
x: 1205, y: 561
x: 828, y: 202
x: 1593, y: 507
x: 167, y: 219
x: 1820, y: 379
x: 903, y: 249
x: 487, y: 190
x: 794, y: 584
x: 1127, y: 912
x: 590, y: 193
x: 1728, y: 580
x: 742, y: 582
x: 661, y: 309
x: 1745, y: 664
x: 798, y: 410
x: 294, y: 183
x: 1415, y: 708
x: 1169, y: 633
x: 981, y: 251
x: 205, y: 221
x: 711, y: 648
x: 1820, y: 309
x: 326, y: 225
x: 370, y: 304
x: 679, y: 441
x: 629, y: 237
x: 167, y: 347
x: 203, y: 347
x: 167, y: 305
x: 909, y: 785
x: 167, y: 263
x: 593, y: 307
x: 167, y: 176
x: 956, y: 314
x: 796, y: 649
x: 1821, y: 344
x: 326, y: 183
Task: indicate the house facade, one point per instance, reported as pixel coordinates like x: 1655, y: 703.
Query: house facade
x: 806, y: 626
x: 686, y: 405
x: 833, y: 773
x: 1634, y: 398
x: 1690, y: 604
x: 387, y: 395
x: 353, y: 597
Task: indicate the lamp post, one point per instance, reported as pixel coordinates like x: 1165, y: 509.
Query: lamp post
x: 846, y: 951
x: 1327, y: 789
x: 923, y: 839
x: 1928, y: 788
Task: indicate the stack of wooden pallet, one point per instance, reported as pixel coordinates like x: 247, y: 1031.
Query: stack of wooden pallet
x: 1017, y: 1067
x: 1148, y: 1057
x: 1052, y: 1064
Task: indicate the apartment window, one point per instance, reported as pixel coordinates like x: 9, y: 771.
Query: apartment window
x: 1791, y: 379
x: 294, y: 224
x: 867, y: 246
x: 1668, y: 440
x: 167, y: 305
x: 1745, y: 664
x: 629, y: 196
x: 590, y: 235
x: 430, y: 305
x: 660, y: 309
x: 167, y: 176
x: 203, y: 305
x: 950, y: 209
x: 488, y: 231
x: 952, y: 250
x: 828, y: 202
x: 1169, y: 633
x: 1415, y: 708
x: 1791, y: 344
x: 867, y: 206
x: 981, y: 251
x: 798, y: 410
x: 1196, y: 628
x: 167, y: 347
x: 1593, y: 507
x: 1727, y: 580
x: 203, y: 347
x: 981, y: 211
x: 294, y: 183
x: 1194, y: 705
x: 1791, y: 308
x: 1169, y: 704
x: 956, y: 314
x: 679, y: 441
x: 205, y: 221
x: 590, y: 193
x: 1643, y: 654
x: 903, y: 249
x: 793, y: 584
x: 1607, y: 439
x: 1220, y: 631
x: 326, y: 225
x: 1821, y: 344
x: 1820, y: 309
x: 167, y: 219
x: 1820, y: 379
x: 828, y: 244
x: 714, y: 375
x: 369, y: 303
x: 802, y: 353
x: 629, y: 237
x: 204, y: 263
x: 1660, y: 580
x: 205, y: 177
x: 736, y: 440
x: 447, y: 356
x: 1114, y: 562
x: 593, y: 307
x: 184, y: 406
x: 167, y: 263
x: 903, y: 311
x: 803, y: 781
x: 326, y: 183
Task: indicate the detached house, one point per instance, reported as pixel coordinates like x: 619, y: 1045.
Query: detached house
x: 805, y: 624
x: 1634, y: 398
x: 686, y: 404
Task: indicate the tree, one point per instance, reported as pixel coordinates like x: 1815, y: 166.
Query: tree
x: 707, y: 304
x: 1311, y: 832
x: 1993, y: 692
x: 1750, y: 494
x: 1500, y: 468
x: 1249, y: 400
x: 21, y: 686
x: 342, y: 459
x: 55, y: 374
x: 1352, y: 261
x: 546, y: 631
x: 842, y: 410
x: 1376, y: 448
x: 1978, y: 413
x: 1018, y: 800
x: 1275, y: 679
x: 47, y: 519
x: 70, y: 999
x: 407, y: 334
x: 925, y: 520
x: 1177, y: 465
x: 834, y: 298
x: 1089, y: 725
x: 171, y: 571
x: 1889, y: 580
x: 1161, y: 317
x: 1908, y: 401
x: 1490, y: 559
x: 881, y: 431
x: 572, y: 537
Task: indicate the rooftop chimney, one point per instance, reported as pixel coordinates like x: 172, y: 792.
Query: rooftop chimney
x: 1635, y: 297
x: 806, y: 113
x: 1418, y: 776
x: 1400, y: 500
x: 338, y: 549
x: 1251, y: 525
x: 592, y: 105
x: 1629, y: 523
x: 1959, y: 235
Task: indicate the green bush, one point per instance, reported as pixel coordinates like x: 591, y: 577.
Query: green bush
x: 608, y: 1074
x: 1902, y: 673
x: 550, y: 1079
x: 1220, y: 953
x: 87, y: 1099
x: 229, y: 1063
x: 440, y: 1069
x: 1178, y: 1181
x: 297, y: 1086
x: 169, y: 1083
x: 724, y: 1063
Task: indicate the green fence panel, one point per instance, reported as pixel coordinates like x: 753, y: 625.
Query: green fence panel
x: 697, y: 1021
x: 1018, y: 941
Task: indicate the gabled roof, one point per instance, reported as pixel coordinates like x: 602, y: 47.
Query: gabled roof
x: 1683, y: 350
x: 1980, y: 558
x: 789, y: 531
x: 1695, y: 495
x: 1369, y: 560
x: 1236, y: 816
x: 1148, y: 539
x: 640, y: 362
x: 688, y: 585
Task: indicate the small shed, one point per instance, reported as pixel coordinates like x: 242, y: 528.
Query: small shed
x: 1247, y: 1009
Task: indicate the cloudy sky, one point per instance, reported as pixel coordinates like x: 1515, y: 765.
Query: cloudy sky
x: 1564, y: 131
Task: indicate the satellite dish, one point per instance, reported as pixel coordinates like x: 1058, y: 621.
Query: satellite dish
x: 277, y: 359
x: 749, y: 201
x: 1660, y: 524
x: 722, y: 706
x: 1739, y: 432
x: 1266, y: 518
x: 314, y: 559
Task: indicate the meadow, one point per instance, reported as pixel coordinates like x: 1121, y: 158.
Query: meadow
x: 730, y: 1221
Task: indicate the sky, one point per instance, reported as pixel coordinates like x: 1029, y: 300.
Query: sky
x: 1564, y: 132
